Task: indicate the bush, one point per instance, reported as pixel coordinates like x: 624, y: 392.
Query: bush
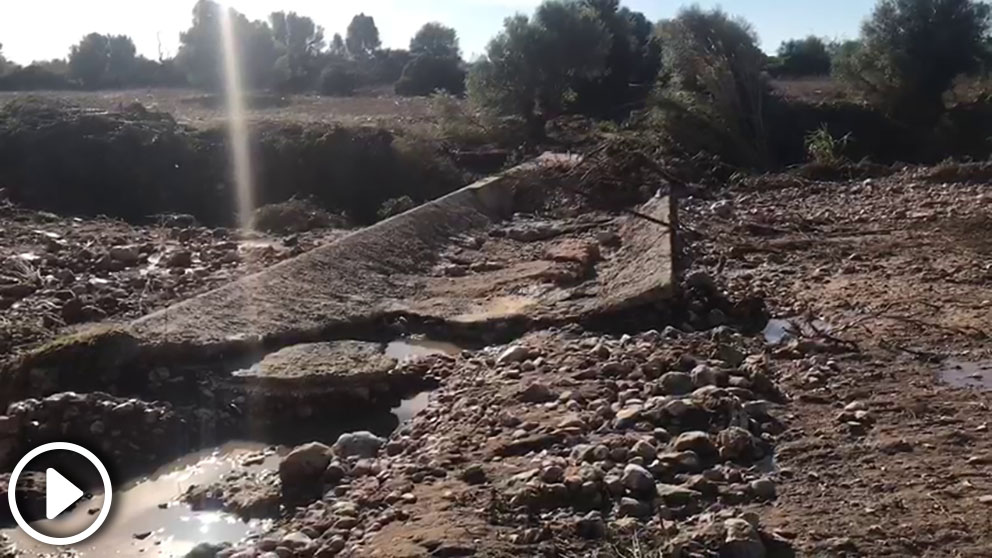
x: 823, y: 148
x: 34, y: 78
x: 426, y: 74
x: 338, y: 81
x: 912, y: 50
x: 712, y: 95
x: 803, y: 57
x: 293, y: 216
x: 395, y: 206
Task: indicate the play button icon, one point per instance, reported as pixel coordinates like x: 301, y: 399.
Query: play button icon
x: 60, y: 493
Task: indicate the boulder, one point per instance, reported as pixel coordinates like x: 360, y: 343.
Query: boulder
x: 358, y: 444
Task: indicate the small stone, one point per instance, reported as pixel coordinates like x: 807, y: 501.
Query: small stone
x: 631, y: 507
x: 637, y: 479
x: 986, y: 499
x: 645, y: 450
x: 676, y: 383
x: 674, y: 495
x: 742, y: 541
x: 514, y: 353
x: 296, y: 539
x: 696, y: 441
x: 473, y: 474
x: 304, y: 467
x: 536, y: 392
x: 553, y: 474
x: 591, y: 526
x: 763, y: 488
x: 361, y: 444
x: 735, y: 443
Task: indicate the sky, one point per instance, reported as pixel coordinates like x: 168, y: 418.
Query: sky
x: 43, y: 29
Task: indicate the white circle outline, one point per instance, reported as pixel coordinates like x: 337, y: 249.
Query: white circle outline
x: 104, y: 510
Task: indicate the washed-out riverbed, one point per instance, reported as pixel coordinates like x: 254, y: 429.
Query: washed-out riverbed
x: 148, y: 515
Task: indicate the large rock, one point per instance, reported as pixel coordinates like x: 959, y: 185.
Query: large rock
x: 358, y: 444
x: 302, y: 470
x: 637, y: 479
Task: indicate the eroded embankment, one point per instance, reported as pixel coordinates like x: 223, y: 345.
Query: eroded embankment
x: 462, y: 267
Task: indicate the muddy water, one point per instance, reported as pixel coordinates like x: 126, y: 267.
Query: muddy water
x: 151, y: 505
x: 150, y: 508
x: 972, y: 375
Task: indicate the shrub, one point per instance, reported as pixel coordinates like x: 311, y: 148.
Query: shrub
x: 293, y: 216
x: 911, y: 51
x: 823, y: 148
x: 803, y: 57
x: 338, y: 81
x: 426, y: 74
x: 712, y: 94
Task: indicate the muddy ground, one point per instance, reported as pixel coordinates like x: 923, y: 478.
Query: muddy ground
x: 688, y: 438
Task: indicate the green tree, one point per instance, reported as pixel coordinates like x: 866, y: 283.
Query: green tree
x: 363, y: 36
x: 530, y: 67
x: 633, y: 61
x: 88, y: 60
x: 436, y: 40
x: 803, y: 57
x: 121, y: 60
x: 712, y: 92
x: 337, y: 47
x: 201, y: 48
x: 301, y: 42
x: 426, y: 74
x: 912, y: 50
x: 6, y: 66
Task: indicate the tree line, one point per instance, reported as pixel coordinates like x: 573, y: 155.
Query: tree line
x: 701, y: 72
x: 288, y: 52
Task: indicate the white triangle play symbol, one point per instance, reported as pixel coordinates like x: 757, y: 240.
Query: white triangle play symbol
x: 59, y: 493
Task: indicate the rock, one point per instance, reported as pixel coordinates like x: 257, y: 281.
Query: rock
x: 763, y: 488
x: 178, y: 259
x: 742, y: 541
x: 332, y: 548
x: 514, y: 353
x: 645, y: 451
x: 553, y: 474
x: 296, y: 539
x: 361, y: 444
x: 591, y: 526
x: 676, y: 383
x: 695, y: 441
x: 677, y: 496
x: 637, y: 479
x: 628, y: 416
x: 703, y: 375
x: 536, y: 392
x: 631, y: 507
x: 301, y: 471
x: 735, y: 443
x: 128, y: 255
x: 473, y: 474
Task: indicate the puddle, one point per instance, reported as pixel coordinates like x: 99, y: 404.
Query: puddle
x: 410, y: 349
x: 410, y: 407
x: 176, y: 529
x: 971, y: 375
x: 782, y: 330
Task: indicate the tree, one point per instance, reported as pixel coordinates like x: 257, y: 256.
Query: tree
x: 301, y: 41
x: 633, y: 61
x: 434, y: 39
x: 712, y: 93
x: 531, y: 65
x: 88, y: 60
x: 912, y: 50
x: 6, y: 66
x: 121, y: 60
x: 201, y: 48
x: 803, y: 57
x: 363, y: 36
x: 337, y: 47
x: 426, y: 74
